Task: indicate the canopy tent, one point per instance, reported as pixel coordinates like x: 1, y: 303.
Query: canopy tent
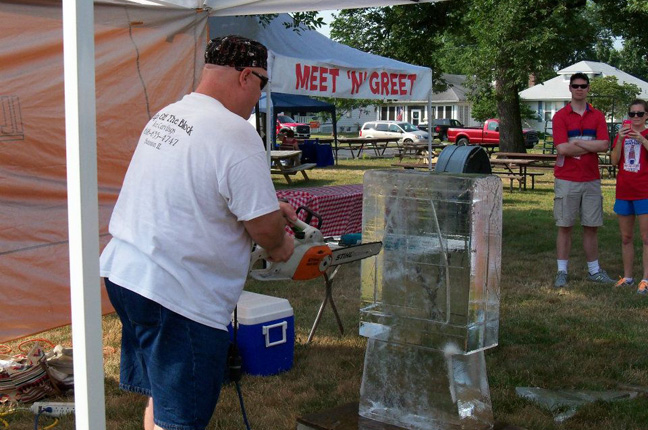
x: 37, y: 128
x: 260, y: 7
x: 309, y: 63
x: 296, y: 103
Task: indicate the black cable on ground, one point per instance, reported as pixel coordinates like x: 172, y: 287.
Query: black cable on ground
x: 240, y: 396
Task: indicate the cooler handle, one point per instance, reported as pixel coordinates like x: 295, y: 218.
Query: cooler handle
x: 266, y: 333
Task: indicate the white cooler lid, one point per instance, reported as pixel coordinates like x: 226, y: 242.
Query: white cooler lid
x: 256, y: 308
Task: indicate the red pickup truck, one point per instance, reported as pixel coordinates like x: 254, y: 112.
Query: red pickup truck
x: 285, y: 123
x: 487, y: 135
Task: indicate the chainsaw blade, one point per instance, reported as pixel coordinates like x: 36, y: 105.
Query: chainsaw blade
x: 347, y: 254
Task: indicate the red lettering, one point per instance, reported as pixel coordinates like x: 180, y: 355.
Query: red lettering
x: 302, y: 76
x: 393, y: 80
x: 374, y: 83
x: 384, y: 83
x: 412, y: 79
x: 323, y: 78
x: 313, y: 78
x: 334, y: 74
x: 401, y: 85
x: 357, y: 78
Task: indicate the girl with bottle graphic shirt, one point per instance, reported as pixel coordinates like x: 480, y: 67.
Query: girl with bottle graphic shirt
x: 630, y: 153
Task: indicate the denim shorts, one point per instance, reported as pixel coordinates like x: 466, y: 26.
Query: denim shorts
x: 178, y: 362
x: 631, y: 207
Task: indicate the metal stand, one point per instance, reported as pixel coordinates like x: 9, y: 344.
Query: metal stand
x: 328, y: 297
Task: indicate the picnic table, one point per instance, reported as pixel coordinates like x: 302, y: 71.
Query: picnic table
x: 360, y: 143
x: 340, y: 208
x: 288, y: 163
x: 516, y: 169
x: 417, y: 150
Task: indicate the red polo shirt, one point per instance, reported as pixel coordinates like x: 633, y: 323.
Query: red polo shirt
x: 569, y: 125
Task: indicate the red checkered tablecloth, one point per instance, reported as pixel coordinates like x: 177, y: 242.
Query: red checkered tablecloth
x: 340, y: 206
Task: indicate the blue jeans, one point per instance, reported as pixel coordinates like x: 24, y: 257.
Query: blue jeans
x: 178, y: 362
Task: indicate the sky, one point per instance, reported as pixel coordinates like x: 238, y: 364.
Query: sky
x: 328, y: 17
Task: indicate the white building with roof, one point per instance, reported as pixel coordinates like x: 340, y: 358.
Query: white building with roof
x: 550, y: 96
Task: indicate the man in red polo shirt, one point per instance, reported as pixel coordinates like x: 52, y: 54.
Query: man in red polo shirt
x: 579, y: 133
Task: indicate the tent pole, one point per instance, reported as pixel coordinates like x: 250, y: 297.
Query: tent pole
x: 429, y: 121
x: 335, y: 134
x: 269, y: 125
x: 83, y: 212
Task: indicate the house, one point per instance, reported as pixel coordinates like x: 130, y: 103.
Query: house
x: 451, y: 103
x: 550, y: 96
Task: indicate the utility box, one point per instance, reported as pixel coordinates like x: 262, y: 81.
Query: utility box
x: 266, y: 334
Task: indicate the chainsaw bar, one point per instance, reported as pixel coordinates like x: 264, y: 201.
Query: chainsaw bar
x: 347, y: 254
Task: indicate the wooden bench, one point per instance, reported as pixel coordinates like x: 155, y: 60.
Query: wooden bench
x: 414, y: 165
x: 533, y: 175
x: 512, y: 178
x: 505, y: 174
x: 292, y: 170
x: 609, y: 168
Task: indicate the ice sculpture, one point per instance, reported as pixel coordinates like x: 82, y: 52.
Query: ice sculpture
x: 430, y: 298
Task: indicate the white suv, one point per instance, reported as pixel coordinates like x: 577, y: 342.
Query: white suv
x: 406, y: 132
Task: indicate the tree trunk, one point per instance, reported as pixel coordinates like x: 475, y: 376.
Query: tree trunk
x: 508, y: 110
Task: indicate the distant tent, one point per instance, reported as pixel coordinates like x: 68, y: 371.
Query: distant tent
x: 298, y: 103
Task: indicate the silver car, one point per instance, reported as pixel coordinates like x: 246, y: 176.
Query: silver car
x: 404, y: 131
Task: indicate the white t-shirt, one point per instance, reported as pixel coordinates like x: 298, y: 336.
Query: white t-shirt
x: 198, y: 171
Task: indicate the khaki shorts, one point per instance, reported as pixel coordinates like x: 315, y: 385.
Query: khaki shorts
x: 574, y: 198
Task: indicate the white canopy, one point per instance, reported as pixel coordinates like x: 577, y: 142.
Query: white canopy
x: 260, y: 7
x: 82, y: 196
x: 307, y: 62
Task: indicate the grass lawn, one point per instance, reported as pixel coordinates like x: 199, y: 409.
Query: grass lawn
x: 586, y: 337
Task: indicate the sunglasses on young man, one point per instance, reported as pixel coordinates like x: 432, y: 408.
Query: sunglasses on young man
x: 581, y: 86
x: 639, y: 114
x: 264, y: 79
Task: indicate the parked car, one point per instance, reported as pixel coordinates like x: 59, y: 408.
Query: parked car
x: 487, y: 135
x: 404, y: 131
x: 285, y: 123
x: 440, y: 127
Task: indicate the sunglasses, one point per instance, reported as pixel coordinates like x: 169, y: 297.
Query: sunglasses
x: 581, y: 86
x: 264, y: 79
x: 639, y: 114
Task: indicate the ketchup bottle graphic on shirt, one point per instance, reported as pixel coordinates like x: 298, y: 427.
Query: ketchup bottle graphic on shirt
x: 631, y: 153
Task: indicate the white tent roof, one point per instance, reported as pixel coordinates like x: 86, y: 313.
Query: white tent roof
x: 307, y: 62
x: 260, y: 7
x: 557, y: 89
x: 81, y: 142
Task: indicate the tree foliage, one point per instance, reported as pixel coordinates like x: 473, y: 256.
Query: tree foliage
x: 412, y: 34
x: 491, y: 41
x: 611, y: 97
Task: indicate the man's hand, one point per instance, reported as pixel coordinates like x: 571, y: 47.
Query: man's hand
x: 282, y: 252
x: 269, y: 232
x: 288, y: 211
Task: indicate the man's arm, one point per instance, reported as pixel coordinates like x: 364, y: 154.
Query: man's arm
x: 268, y: 231
x: 600, y: 145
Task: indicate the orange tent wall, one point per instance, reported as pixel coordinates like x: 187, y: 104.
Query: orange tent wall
x: 145, y: 59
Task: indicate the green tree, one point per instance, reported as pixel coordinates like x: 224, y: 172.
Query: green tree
x: 500, y: 42
x: 611, y: 97
x: 413, y: 34
x: 626, y: 19
x: 516, y: 38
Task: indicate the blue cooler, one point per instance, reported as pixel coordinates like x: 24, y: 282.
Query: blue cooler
x: 266, y: 334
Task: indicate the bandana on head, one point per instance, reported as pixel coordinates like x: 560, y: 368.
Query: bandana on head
x: 236, y: 51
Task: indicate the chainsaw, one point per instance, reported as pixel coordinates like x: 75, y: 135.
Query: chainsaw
x: 312, y: 256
